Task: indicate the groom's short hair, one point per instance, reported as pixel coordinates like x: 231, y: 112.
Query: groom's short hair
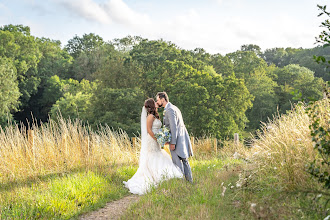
x: 163, y: 95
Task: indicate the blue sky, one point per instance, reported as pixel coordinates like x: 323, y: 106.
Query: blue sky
x: 218, y: 26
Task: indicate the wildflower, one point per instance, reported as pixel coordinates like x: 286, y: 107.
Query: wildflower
x: 252, y: 207
x: 223, y: 190
x: 236, y: 155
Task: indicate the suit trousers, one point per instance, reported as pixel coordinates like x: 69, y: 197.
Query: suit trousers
x: 183, y: 164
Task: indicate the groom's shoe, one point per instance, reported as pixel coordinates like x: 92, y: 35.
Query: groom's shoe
x: 189, y: 179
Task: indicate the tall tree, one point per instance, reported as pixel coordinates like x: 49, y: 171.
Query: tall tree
x: 251, y: 47
x: 294, y: 77
x: 17, y: 44
x: 9, y: 91
x: 73, y: 98
x: 259, y: 80
x: 209, y: 103
x: 85, y: 44
x: 222, y: 65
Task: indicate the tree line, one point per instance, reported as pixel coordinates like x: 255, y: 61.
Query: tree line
x: 106, y: 82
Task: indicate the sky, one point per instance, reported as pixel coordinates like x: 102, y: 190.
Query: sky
x: 218, y: 26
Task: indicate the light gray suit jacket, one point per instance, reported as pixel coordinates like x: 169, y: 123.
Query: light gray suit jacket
x: 174, y: 122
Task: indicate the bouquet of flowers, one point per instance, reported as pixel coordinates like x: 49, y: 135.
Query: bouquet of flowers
x: 163, y: 136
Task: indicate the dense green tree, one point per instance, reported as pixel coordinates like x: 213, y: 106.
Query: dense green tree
x: 196, y: 58
x: 304, y: 57
x: 251, y: 47
x: 85, y: 44
x: 210, y: 104
x: 280, y: 56
x: 262, y: 87
x: 73, y: 98
x: 17, y: 44
x: 9, y: 91
x: 117, y: 108
x: 296, y: 78
x: 54, y: 60
x: 152, y: 53
x: 259, y: 80
x: 126, y: 44
x: 117, y: 73
x: 88, y: 52
x: 222, y: 65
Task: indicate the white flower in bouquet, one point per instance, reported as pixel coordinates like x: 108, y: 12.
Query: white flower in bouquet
x: 163, y: 136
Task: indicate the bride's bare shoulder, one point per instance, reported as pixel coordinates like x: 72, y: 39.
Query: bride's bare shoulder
x: 150, y: 117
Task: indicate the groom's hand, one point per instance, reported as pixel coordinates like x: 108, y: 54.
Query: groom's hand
x: 172, y: 146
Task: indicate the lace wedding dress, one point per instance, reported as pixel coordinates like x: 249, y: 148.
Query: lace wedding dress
x: 155, y: 164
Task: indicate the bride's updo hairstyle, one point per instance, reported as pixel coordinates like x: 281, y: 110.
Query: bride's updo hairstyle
x: 150, y: 106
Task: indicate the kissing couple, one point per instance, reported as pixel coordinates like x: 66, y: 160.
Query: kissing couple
x: 155, y: 164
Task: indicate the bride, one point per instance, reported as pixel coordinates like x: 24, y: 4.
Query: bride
x: 155, y: 164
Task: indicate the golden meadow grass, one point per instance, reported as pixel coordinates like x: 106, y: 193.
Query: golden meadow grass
x: 284, y: 148
x: 64, y: 145
x: 60, y: 147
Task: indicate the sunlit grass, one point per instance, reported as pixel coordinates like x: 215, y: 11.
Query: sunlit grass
x: 178, y: 199
x: 58, y: 147
x: 284, y: 148
x: 64, y: 196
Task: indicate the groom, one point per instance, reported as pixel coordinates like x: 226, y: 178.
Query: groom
x: 180, y: 144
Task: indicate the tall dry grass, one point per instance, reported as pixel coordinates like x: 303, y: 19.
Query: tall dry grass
x: 284, y: 148
x: 209, y: 147
x: 59, y: 147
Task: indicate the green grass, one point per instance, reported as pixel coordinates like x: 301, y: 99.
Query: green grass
x: 65, y: 196
x: 214, y: 195
x: 206, y: 199
x: 178, y: 199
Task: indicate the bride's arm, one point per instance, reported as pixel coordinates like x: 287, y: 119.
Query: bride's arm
x: 150, y: 120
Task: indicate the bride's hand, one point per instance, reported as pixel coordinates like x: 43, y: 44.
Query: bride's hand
x: 172, y: 147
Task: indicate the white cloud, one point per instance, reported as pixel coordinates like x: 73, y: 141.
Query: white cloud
x: 87, y: 9
x: 227, y: 34
x: 104, y: 13
x: 122, y: 14
x: 216, y: 30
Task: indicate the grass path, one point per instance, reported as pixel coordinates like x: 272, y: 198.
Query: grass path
x: 113, y: 210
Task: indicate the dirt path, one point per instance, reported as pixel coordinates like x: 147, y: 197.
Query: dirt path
x: 113, y: 210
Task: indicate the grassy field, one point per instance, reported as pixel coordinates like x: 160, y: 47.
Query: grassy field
x: 64, y: 169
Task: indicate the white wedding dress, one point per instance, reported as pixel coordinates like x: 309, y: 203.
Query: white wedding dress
x: 155, y: 164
